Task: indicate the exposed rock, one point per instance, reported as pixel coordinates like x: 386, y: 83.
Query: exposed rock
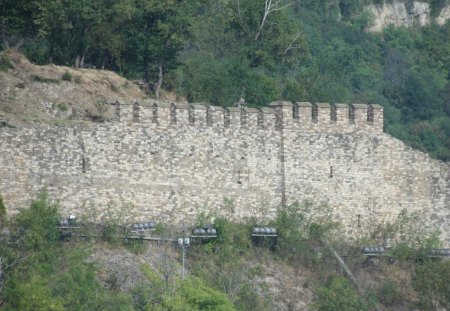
x: 444, y: 16
x: 400, y: 14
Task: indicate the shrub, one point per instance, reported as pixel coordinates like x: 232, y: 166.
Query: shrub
x: 5, y: 63
x: 432, y: 283
x: 43, y: 79
x: 338, y: 294
x: 2, y: 211
x: 67, y: 76
x: 301, y: 228
x: 39, y: 223
x: 196, y: 295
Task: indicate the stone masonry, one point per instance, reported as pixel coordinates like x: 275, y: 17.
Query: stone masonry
x: 169, y: 162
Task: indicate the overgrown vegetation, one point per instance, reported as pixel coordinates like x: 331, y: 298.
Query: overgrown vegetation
x: 5, y: 62
x: 44, y: 79
x: 220, y: 51
x: 42, y: 271
x: 67, y: 76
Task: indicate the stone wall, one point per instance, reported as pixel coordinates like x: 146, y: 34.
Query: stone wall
x: 170, y: 161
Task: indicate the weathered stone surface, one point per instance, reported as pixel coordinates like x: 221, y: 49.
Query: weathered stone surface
x: 169, y: 162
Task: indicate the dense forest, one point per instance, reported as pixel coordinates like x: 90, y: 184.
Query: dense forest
x: 221, y: 50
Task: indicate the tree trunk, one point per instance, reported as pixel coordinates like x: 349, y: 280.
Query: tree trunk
x: 77, y: 61
x: 5, y: 42
x: 146, y: 70
x: 160, y: 80
x: 19, y: 44
x: 82, y: 61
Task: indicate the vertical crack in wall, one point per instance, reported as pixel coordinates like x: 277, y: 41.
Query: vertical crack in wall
x: 84, y: 160
x: 279, y: 117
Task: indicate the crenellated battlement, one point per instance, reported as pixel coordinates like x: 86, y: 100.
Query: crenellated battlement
x: 278, y: 115
x: 170, y: 162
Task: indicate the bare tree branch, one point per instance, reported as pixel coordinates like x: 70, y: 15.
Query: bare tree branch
x: 270, y: 6
x: 239, y: 10
x: 291, y: 46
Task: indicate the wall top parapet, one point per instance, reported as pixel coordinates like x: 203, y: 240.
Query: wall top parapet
x: 162, y: 105
x: 340, y: 105
x: 181, y: 105
x: 234, y: 109
x: 199, y: 106
x: 303, y: 104
x: 317, y: 116
x: 323, y: 105
x: 359, y: 106
x: 280, y: 103
x: 252, y: 110
x: 267, y: 110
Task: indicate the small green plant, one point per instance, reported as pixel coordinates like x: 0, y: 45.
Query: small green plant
x: 110, y: 229
x: 101, y: 107
x: 67, y: 76
x: 62, y: 107
x: 5, y: 63
x: 40, y: 79
x: 136, y: 246
x: 2, y: 211
x: 21, y: 85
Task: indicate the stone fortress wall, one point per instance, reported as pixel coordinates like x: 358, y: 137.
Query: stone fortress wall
x: 170, y: 162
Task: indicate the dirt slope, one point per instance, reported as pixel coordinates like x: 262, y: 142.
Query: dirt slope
x: 33, y: 95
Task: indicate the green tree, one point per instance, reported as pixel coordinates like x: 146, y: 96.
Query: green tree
x: 155, y: 37
x: 71, y: 26
x: 20, y: 21
x: 38, y: 224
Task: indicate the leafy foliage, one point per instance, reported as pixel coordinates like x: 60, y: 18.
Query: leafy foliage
x: 2, y: 211
x: 338, y: 294
x: 5, y: 62
x: 301, y: 228
x: 194, y: 294
x: 39, y: 272
x: 431, y: 281
x: 38, y: 223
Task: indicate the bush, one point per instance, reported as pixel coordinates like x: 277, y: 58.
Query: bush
x: 39, y: 223
x: 432, y: 283
x: 196, y: 295
x: 40, y: 79
x: 5, y: 63
x: 301, y: 228
x: 67, y: 76
x: 2, y: 211
x: 338, y: 294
